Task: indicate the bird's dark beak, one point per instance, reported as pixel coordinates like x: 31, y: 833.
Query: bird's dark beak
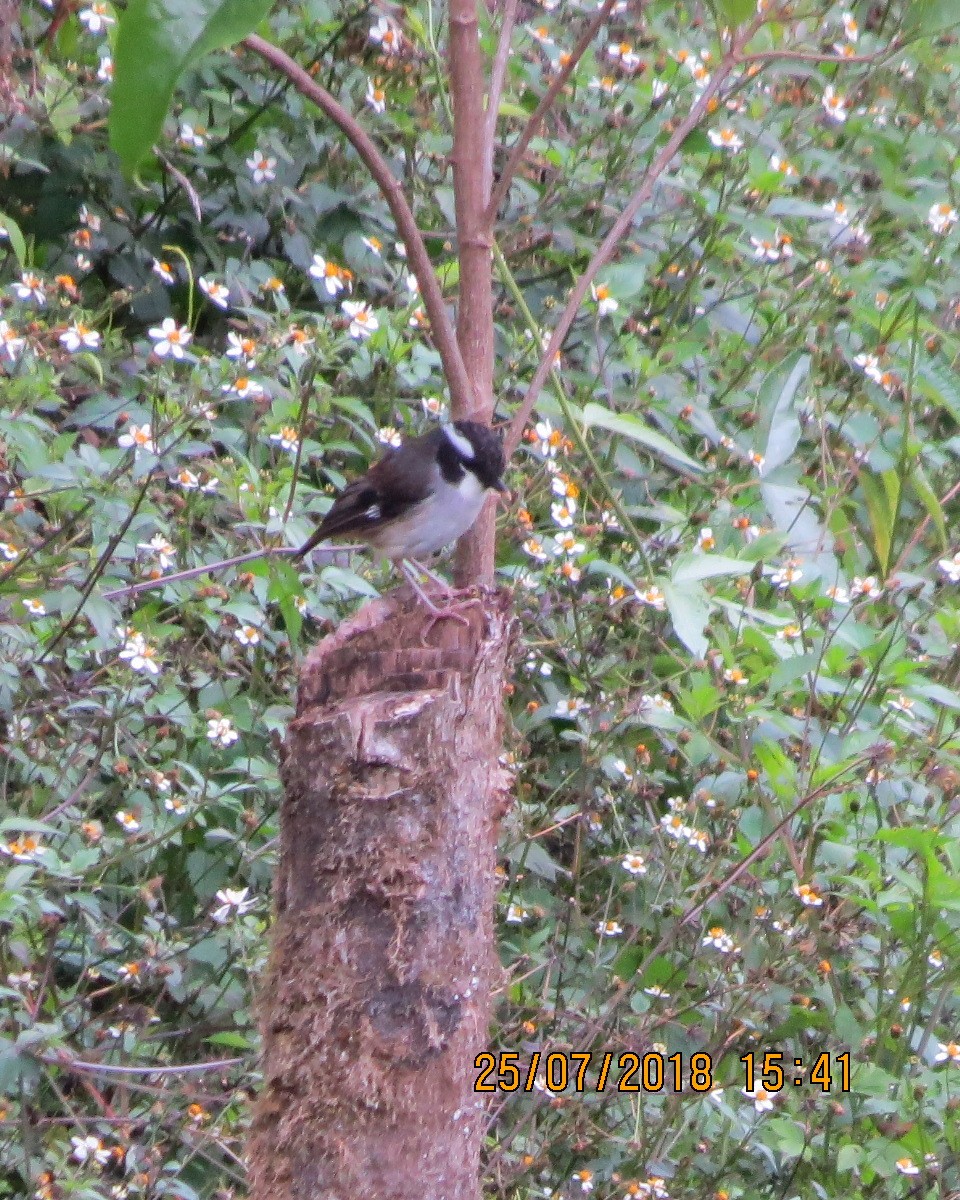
x: 504, y: 491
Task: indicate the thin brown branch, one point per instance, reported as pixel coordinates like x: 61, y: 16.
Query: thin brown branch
x: 472, y: 160
x: 456, y: 375
x: 768, y: 56
x: 498, y: 73
x: 189, y: 190
x: 532, y: 126
x: 149, y: 584
x: 763, y: 847
x: 65, y: 1062
x: 99, y: 568
x: 618, y: 230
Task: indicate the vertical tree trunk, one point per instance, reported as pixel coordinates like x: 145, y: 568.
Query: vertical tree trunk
x: 376, y: 998
x: 472, y: 160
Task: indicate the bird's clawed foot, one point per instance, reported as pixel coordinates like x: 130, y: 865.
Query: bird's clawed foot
x: 410, y: 569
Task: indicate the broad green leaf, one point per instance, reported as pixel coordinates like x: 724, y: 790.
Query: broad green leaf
x: 735, y: 12
x: 707, y: 566
x: 697, y: 143
x: 784, y: 423
x: 632, y: 427
x: 790, y: 670
x: 626, y: 278
x: 939, y: 385
x: 931, y: 17
x: 921, y: 841
x: 877, y: 494
x: 848, y: 1157
x: 938, y: 694
x: 917, y: 479
x: 17, y: 242
x: 793, y: 510
x: 157, y: 41
x: 780, y: 772
x: 689, y: 613
x: 540, y: 863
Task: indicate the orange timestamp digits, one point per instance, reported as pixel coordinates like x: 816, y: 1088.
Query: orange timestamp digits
x: 626, y: 1072
x: 773, y: 1070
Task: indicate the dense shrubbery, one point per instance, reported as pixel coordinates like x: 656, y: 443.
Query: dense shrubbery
x: 731, y: 606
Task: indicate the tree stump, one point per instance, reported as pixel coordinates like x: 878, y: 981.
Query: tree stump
x: 376, y: 998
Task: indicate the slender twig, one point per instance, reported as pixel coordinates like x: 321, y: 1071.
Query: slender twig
x: 533, y: 124
x: 918, y: 535
x: 601, y: 477
x: 619, y: 228
x: 306, y: 387
x: 763, y: 846
x: 497, y: 74
x: 148, y: 584
x: 189, y: 189
x: 768, y: 56
x: 454, y: 370
x: 99, y: 1068
x: 97, y: 571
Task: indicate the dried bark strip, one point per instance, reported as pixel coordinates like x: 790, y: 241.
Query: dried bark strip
x: 377, y: 996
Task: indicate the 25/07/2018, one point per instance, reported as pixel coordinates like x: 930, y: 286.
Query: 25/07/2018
x: 555, y: 1071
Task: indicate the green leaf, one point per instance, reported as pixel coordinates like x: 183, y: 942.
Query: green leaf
x: 689, y: 613
x: 930, y: 17
x: 880, y: 494
x: 917, y: 479
x: 235, y: 1041
x: 632, y: 427
x: 697, y: 143
x: 848, y: 1157
x: 780, y: 772
x: 938, y: 384
x: 920, y: 841
x: 157, y: 41
x: 627, y: 278
x: 788, y: 1136
x: 735, y: 12
x: 784, y: 423
x: 707, y: 566
x: 17, y: 242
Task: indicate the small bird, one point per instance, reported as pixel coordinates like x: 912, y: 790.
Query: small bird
x: 419, y: 497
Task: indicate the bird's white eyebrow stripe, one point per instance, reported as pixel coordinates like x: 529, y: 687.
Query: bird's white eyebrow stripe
x: 462, y: 444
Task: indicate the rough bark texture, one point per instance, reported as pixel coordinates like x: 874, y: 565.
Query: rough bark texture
x: 9, y: 41
x: 377, y: 996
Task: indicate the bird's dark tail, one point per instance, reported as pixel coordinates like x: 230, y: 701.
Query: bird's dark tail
x: 319, y: 535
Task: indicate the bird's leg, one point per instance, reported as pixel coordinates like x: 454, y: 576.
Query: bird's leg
x: 436, y: 613
x: 425, y: 570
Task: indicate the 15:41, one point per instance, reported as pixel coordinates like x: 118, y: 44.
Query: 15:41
x: 773, y: 1071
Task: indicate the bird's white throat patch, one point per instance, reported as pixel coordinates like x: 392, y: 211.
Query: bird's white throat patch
x: 461, y: 444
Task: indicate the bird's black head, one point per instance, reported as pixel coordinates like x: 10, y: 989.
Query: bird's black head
x: 480, y: 450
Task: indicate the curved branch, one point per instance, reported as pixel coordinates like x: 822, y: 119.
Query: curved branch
x: 531, y: 127
x: 617, y: 231
x: 497, y: 75
x: 461, y: 394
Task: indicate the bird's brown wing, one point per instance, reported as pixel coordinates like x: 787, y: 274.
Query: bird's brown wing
x: 388, y: 491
